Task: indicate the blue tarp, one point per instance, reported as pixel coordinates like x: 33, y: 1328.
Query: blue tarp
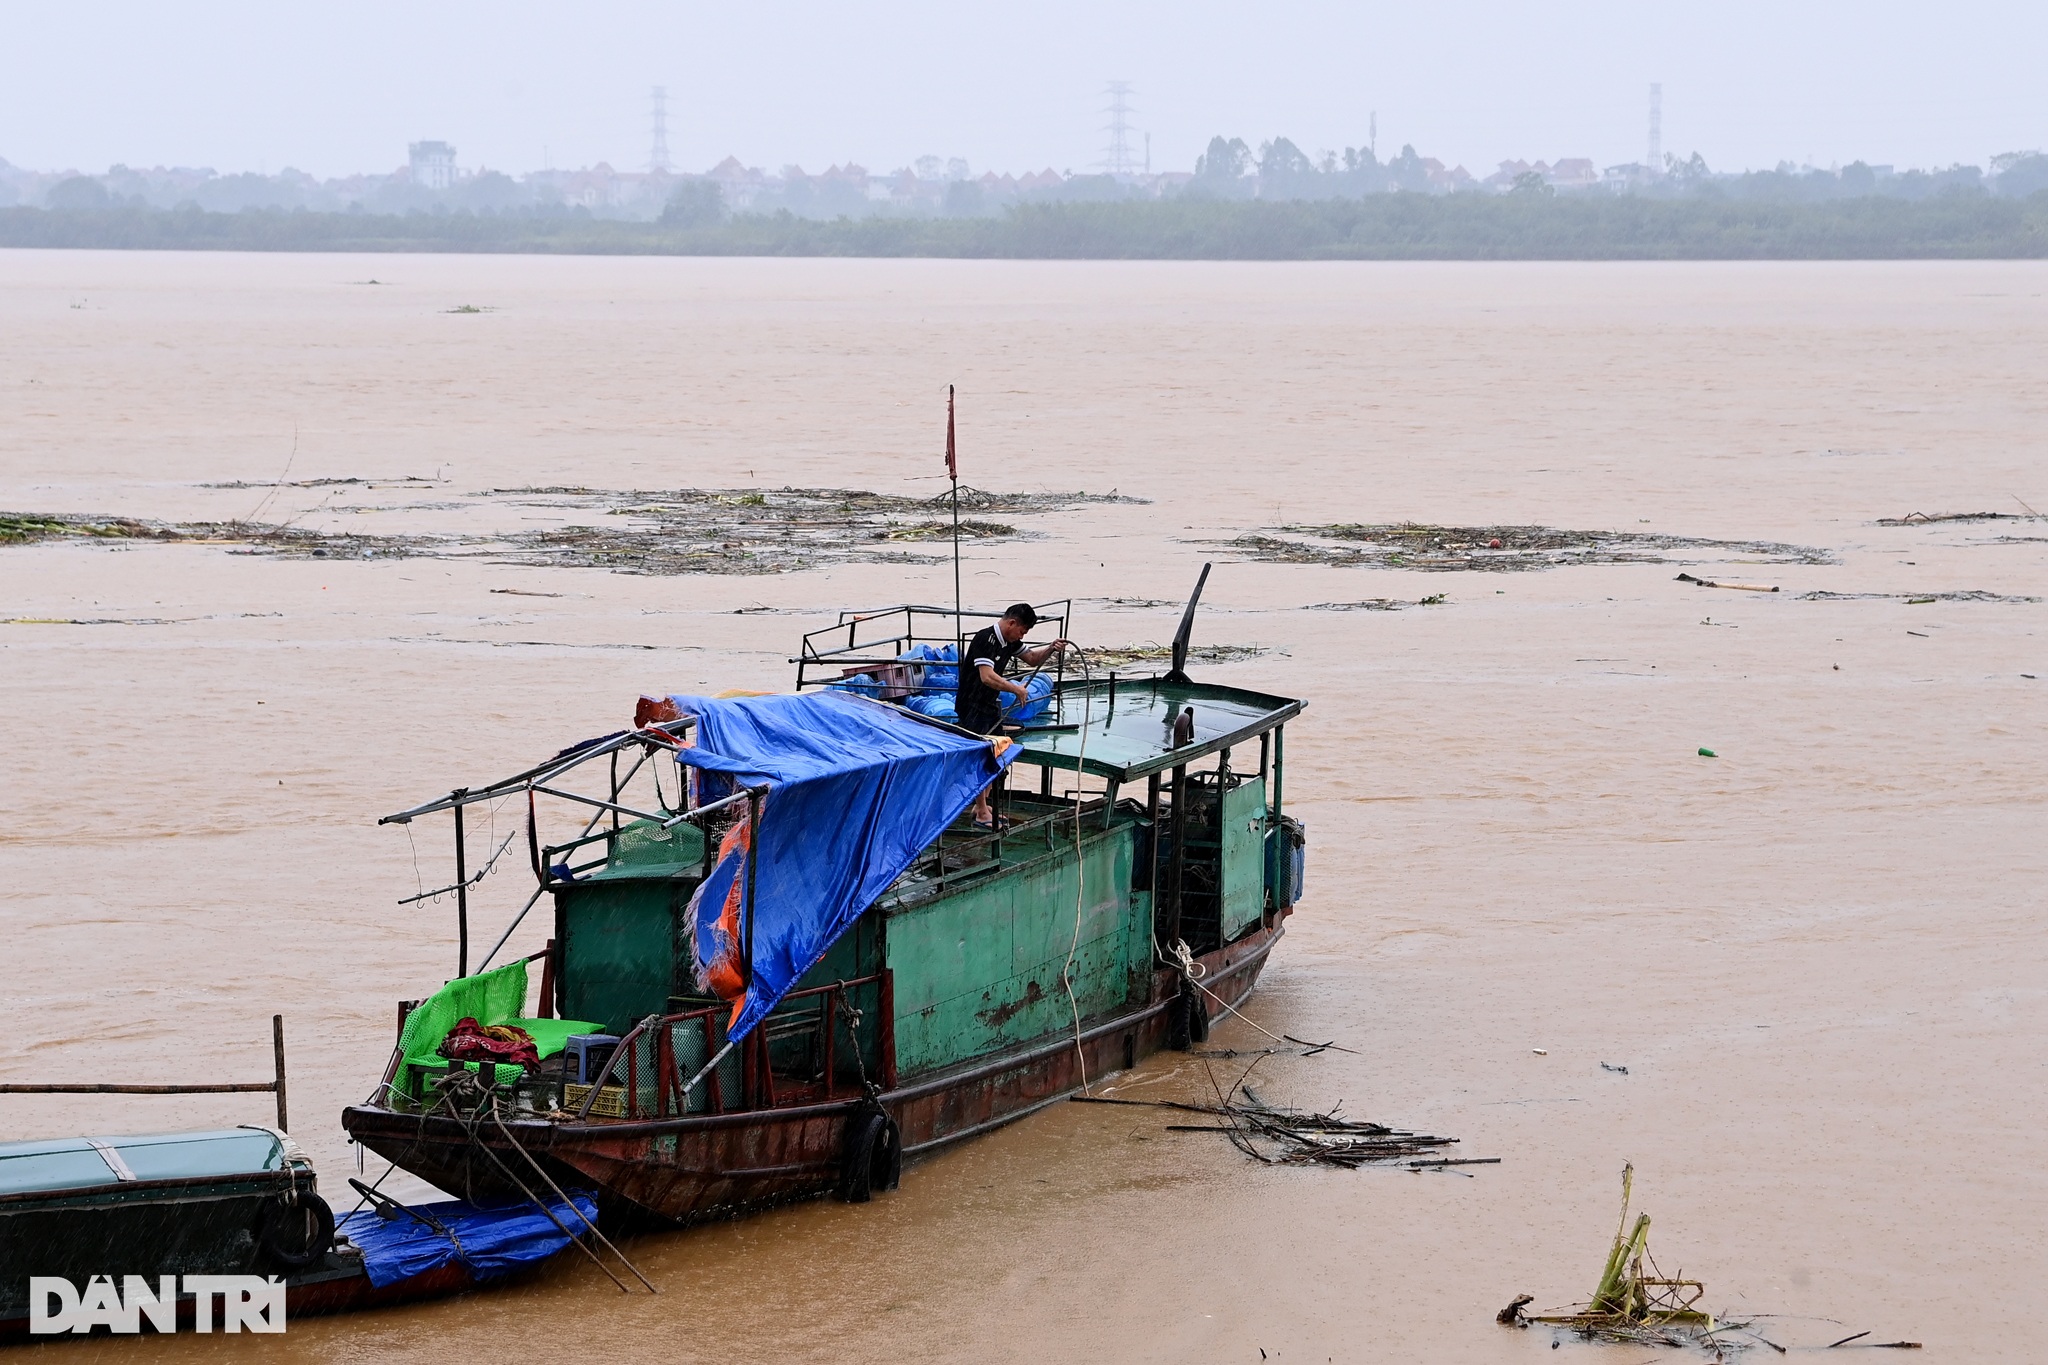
x: 941, y: 667
x: 491, y: 1242
x: 1016, y: 710
x: 857, y: 789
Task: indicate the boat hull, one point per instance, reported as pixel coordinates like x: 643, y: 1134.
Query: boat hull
x: 703, y: 1166
x: 340, y: 1286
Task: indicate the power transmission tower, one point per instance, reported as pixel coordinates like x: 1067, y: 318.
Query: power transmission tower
x: 1117, y: 158
x: 657, y: 157
x: 1656, y: 128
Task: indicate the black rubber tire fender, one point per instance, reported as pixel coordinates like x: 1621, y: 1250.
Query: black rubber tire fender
x: 885, y: 1167
x: 295, y: 1235
x: 1177, y: 1039
x: 864, y: 1132
x: 1198, y: 1015
x: 872, y: 1162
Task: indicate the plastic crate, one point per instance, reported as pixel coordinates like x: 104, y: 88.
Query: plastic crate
x: 611, y: 1101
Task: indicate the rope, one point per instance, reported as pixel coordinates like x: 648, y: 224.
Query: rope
x: 1080, y: 863
x: 467, y: 1084
x: 471, y: 1122
x: 541, y: 1171
x: 1183, y: 957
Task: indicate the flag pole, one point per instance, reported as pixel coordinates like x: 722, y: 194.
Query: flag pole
x: 953, y: 473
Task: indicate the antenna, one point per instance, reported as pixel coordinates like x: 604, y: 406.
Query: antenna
x: 1117, y: 156
x: 1187, y: 625
x: 1372, y: 134
x: 1656, y: 127
x: 657, y: 156
x: 953, y: 474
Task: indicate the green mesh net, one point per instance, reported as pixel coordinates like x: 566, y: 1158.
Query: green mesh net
x: 645, y: 844
x: 489, y: 998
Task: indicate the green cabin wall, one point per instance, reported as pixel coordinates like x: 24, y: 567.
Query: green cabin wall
x: 1242, y: 825
x: 978, y: 969
x: 619, y: 943
x: 621, y: 929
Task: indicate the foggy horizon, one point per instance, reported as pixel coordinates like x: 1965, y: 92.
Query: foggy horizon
x: 230, y: 86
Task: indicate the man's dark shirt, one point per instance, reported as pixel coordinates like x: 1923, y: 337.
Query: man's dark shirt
x: 979, y: 706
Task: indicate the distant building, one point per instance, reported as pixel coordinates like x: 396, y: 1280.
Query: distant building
x: 433, y: 164
x: 738, y: 185
x: 1442, y: 181
x: 1573, y: 173
x: 1630, y: 176
x: 1566, y: 173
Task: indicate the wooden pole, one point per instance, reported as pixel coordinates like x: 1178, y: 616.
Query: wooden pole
x: 461, y: 890
x: 1177, y: 865
x: 953, y: 473
x: 277, y: 1048
x: 233, y: 1088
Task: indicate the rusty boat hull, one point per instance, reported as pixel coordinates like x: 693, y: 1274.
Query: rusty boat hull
x: 690, y: 1168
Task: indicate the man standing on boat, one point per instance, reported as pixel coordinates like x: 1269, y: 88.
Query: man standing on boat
x: 979, y: 701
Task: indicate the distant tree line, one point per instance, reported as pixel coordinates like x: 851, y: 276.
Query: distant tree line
x: 1373, y: 227
x: 1228, y: 170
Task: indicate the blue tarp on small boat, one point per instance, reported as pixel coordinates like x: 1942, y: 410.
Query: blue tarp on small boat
x: 491, y: 1242
x: 857, y: 789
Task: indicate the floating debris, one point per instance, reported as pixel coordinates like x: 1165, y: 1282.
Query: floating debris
x: 1435, y: 599
x: 1288, y: 1137
x: 1122, y: 656
x: 1738, y: 587
x: 1497, y: 549
x: 96, y: 620
x: 1635, y: 1302
x: 681, y: 531
x: 400, y: 481
x: 1916, y: 598
x: 19, y: 529
x: 1924, y: 519
x: 1130, y: 603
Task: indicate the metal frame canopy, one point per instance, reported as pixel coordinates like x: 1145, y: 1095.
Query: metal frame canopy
x: 1129, y: 724
x: 546, y: 779
x: 864, y: 640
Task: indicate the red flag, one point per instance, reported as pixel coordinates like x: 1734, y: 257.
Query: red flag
x: 952, y: 465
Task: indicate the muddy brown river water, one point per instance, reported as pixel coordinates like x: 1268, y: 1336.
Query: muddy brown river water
x: 1820, y: 955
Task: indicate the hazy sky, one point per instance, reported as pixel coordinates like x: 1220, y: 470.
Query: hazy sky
x: 338, y: 88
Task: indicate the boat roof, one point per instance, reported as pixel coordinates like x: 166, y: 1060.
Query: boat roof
x: 1129, y: 736
x: 78, y: 1163
x: 1126, y: 739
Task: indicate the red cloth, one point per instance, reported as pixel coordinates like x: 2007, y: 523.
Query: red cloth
x: 470, y: 1041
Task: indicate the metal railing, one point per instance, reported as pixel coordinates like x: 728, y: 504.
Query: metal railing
x: 863, y: 642
x: 274, y: 1086
x: 647, y: 1078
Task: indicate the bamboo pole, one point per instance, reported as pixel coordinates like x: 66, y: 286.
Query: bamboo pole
x: 277, y: 1049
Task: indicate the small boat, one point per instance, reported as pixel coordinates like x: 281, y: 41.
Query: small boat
x: 237, y: 1202
x: 794, y: 962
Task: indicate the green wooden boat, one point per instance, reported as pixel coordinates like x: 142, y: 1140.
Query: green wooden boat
x: 214, y: 1202
x: 1161, y: 865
